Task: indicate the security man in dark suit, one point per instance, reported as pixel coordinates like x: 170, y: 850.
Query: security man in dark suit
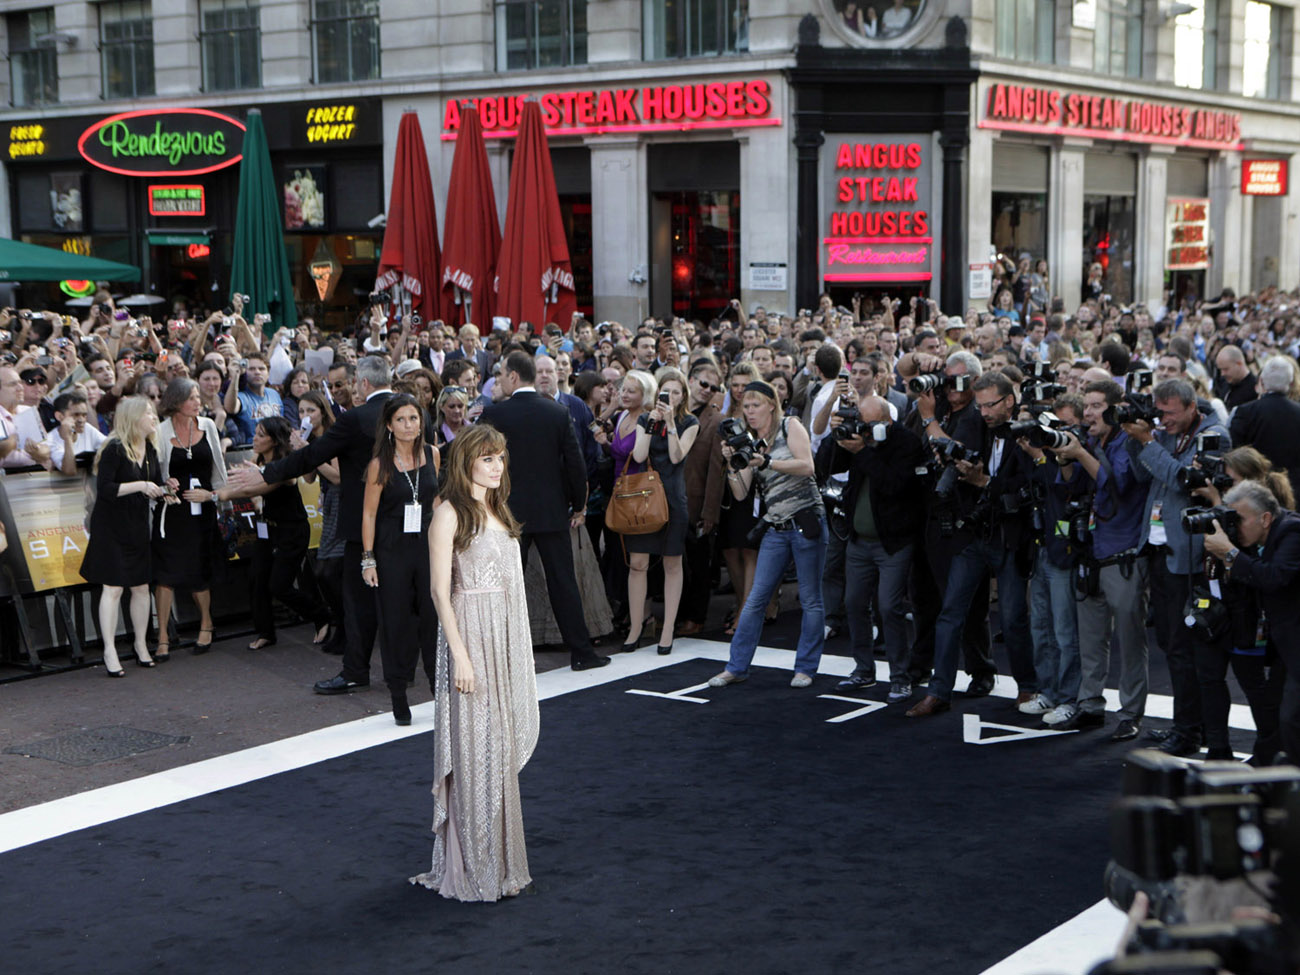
x: 352, y: 440
x: 1269, y: 424
x: 548, y: 493
x: 1266, y: 557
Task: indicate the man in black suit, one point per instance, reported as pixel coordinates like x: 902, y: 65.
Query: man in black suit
x: 548, y: 492
x: 1268, y: 560
x: 1269, y: 424
x: 352, y: 440
x: 471, y: 349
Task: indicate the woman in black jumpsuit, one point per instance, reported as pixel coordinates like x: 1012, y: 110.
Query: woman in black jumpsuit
x: 401, y: 487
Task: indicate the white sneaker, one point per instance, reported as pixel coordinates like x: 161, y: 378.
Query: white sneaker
x: 725, y: 678
x: 801, y: 680
x: 1036, y: 705
x: 1060, y: 714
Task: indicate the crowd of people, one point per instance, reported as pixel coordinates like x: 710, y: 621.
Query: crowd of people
x: 901, y: 467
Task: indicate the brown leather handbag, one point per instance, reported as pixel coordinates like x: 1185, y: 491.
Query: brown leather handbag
x: 639, y: 504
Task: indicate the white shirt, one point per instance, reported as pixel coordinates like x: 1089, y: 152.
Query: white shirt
x: 818, y: 438
x: 28, y: 425
x: 995, y: 456
x: 8, y: 427
x: 524, y: 389
x: 89, y: 439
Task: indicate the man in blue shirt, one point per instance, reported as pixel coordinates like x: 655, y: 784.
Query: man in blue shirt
x: 1117, y: 580
x: 256, y: 400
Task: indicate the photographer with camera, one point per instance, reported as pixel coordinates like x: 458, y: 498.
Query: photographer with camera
x: 1264, y: 555
x: 1112, y: 575
x: 1174, y: 557
x: 1000, y: 524
x: 780, y: 460
x: 883, y: 510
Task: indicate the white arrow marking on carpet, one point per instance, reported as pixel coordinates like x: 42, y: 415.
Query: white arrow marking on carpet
x: 972, y: 727
x: 867, y: 707
x: 678, y: 695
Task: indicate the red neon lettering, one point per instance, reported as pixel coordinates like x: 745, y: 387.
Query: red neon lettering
x: 846, y: 193
x: 693, y: 101
x: 451, y: 117
x: 652, y: 103
x: 550, y: 106
x: 672, y: 102
x: 586, y: 107
x: 625, y: 100
x: 487, y: 110
x: 715, y: 100
x: 736, y: 98
x: 759, y: 102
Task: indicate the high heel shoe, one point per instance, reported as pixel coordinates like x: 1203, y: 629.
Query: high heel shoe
x: 401, y: 711
x: 113, y: 673
x: 141, y: 662
x: 666, y: 650
x: 160, y: 656
x: 635, y: 644
x: 200, y: 647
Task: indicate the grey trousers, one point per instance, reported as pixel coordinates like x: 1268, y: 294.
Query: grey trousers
x: 875, y: 576
x: 1121, y: 604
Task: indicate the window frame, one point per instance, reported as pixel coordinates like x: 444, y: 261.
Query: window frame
x: 45, y: 52
x: 570, y: 40
x: 651, y: 30
x: 1276, y: 80
x: 1038, y: 33
x: 142, y: 42
x: 1133, y: 19
x: 205, y: 35
x: 317, y: 21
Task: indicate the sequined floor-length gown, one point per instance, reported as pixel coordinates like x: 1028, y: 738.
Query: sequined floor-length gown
x: 482, y: 740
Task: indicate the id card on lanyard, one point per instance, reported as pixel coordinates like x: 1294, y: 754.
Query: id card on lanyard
x: 412, y: 514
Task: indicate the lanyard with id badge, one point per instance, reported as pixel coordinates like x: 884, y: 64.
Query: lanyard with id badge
x: 412, y: 515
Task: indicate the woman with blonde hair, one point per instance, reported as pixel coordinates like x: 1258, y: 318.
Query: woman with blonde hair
x: 485, y: 700
x: 118, y: 554
x: 450, y: 414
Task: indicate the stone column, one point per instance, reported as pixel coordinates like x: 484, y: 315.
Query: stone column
x: 1149, y: 246
x: 619, y: 223
x: 1065, y: 220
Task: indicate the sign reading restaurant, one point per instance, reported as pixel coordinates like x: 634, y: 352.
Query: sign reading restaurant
x: 163, y: 142
x: 1055, y: 111
x: 711, y: 105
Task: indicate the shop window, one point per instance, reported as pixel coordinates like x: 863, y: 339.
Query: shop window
x: 1020, y: 224
x: 33, y: 63
x: 1196, y: 41
x: 345, y: 40
x: 541, y: 34
x: 872, y: 21
x: 1026, y: 30
x: 1108, y: 226
x: 1265, y: 31
x: 1117, y: 38
x: 695, y: 28
x: 126, y: 48
x: 231, y: 45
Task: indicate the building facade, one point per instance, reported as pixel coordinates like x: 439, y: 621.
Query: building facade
x: 703, y: 149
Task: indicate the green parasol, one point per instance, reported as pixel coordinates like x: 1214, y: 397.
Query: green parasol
x: 260, y: 268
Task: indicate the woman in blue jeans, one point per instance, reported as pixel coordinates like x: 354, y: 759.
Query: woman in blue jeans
x: 795, y: 524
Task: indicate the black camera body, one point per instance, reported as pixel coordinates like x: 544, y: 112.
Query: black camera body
x: 851, y: 424
x: 736, y: 436
x: 1212, y: 471
x: 1136, y: 407
x: 1039, y: 392
x: 1200, y: 521
x: 932, y: 382
x: 947, y: 452
x: 381, y: 298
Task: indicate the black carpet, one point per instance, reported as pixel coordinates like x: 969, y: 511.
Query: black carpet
x: 743, y: 835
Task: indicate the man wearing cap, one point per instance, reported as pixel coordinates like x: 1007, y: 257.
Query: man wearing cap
x: 953, y: 329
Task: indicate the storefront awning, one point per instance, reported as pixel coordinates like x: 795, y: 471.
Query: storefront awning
x: 30, y: 262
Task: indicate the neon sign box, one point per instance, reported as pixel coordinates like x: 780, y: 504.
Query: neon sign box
x: 876, y: 216
x: 163, y: 142
x: 655, y: 108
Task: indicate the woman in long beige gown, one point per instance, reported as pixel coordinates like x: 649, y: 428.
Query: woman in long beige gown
x: 486, y: 713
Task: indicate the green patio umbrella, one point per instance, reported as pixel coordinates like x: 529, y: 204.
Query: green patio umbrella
x: 31, y: 262
x: 260, y: 268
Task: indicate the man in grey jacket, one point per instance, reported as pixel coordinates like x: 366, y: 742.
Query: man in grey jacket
x: 1175, y: 559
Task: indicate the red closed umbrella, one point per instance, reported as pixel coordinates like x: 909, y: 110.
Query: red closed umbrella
x: 534, y: 277
x: 410, y: 257
x: 472, y: 237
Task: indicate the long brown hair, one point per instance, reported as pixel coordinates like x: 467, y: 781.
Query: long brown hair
x: 471, y: 444
x: 386, y: 445
x: 1254, y: 466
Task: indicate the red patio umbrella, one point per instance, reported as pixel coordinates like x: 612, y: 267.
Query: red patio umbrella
x: 534, y: 277
x: 410, y: 257
x: 472, y: 238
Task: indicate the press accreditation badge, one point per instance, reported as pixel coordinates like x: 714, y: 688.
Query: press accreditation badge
x: 411, y: 518
x: 262, y: 531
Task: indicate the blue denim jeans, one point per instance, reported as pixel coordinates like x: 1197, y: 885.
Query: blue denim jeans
x: 969, y: 567
x: 1054, y: 623
x: 774, y: 554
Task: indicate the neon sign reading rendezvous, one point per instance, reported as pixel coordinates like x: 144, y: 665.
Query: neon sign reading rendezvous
x: 712, y: 105
x: 163, y: 142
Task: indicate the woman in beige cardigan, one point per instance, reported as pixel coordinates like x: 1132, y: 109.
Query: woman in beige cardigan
x: 184, y: 535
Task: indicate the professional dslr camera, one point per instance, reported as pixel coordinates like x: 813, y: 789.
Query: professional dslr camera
x: 946, y: 454
x: 932, y: 382
x: 1201, y: 841
x: 1045, y: 430
x: 1210, y: 469
x: 380, y: 298
x: 1137, y: 405
x: 736, y: 436
x: 1200, y: 521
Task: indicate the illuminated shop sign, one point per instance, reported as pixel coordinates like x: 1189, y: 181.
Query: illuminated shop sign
x: 1187, y: 233
x: 1054, y: 111
x: 1264, y: 177
x: 331, y: 123
x: 163, y: 142
x: 169, y: 201
x: 26, y: 141
x: 711, y: 105
x: 876, y: 209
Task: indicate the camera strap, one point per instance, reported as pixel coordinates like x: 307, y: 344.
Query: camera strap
x: 1104, y: 463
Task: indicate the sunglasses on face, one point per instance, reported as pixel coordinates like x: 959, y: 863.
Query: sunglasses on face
x: 708, y: 387
x: 453, y: 389
x: 37, y: 381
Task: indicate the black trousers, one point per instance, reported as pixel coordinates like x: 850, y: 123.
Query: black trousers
x: 406, y: 614
x: 931, y: 561
x: 359, y: 617
x: 556, y: 552
x: 697, y: 565
x: 1169, y: 594
x: 329, y: 578
x: 278, y: 562
x: 1261, y: 680
x: 1290, y: 713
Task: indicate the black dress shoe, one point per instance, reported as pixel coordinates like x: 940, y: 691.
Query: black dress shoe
x: 401, y: 710
x: 1128, y: 730
x: 1181, y: 744
x: 338, y: 685
x: 1083, y: 721
x: 981, y: 686
x: 856, y: 682
x: 1158, y: 734
x: 589, y: 663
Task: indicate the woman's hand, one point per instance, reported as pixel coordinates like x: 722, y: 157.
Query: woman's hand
x: 153, y: 491
x: 370, y: 576
x: 462, y: 673
x: 199, y: 495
